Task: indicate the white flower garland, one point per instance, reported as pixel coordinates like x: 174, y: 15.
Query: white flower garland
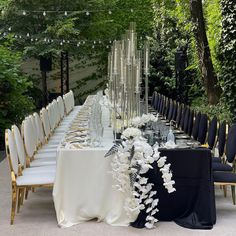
x: 129, y: 163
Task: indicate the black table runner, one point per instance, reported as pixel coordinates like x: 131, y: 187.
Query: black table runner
x: 193, y: 203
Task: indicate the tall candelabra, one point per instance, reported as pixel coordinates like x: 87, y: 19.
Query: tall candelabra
x: 125, y: 69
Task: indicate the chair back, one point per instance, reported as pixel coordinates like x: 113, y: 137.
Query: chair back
x: 175, y: 109
x: 231, y: 144
x: 222, y: 138
x: 202, y: 131
x: 183, y: 117
x: 11, y: 151
x: 179, y: 114
x: 190, y: 123
x: 29, y: 137
x: 196, y: 125
x: 212, y: 130
x: 170, y: 112
x: 186, y: 119
x: 46, y: 124
x: 39, y: 128
x: 61, y: 107
x: 19, y: 145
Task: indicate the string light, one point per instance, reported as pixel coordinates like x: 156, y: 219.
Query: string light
x: 24, y: 13
x: 65, y: 13
x: 9, y: 29
x: 87, y: 13
x: 44, y: 13
x: 61, y: 42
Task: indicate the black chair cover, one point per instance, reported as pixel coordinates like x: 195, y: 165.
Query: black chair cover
x: 186, y: 119
x: 222, y: 138
x: 196, y: 125
x: 202, y: 131
x: 231, y: 144
x: 179, y: 114
x: 212, y: 132
x: 190, y: 122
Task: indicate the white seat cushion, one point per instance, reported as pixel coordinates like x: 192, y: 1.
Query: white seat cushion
x: 40, y: 169
x: 35, y: 179
x: 46, y: 156
x: 42, y: 162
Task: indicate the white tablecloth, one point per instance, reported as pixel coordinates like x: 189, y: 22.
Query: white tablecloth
x: 83, y: 187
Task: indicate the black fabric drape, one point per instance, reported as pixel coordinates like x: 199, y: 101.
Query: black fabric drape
x: 193, y: 203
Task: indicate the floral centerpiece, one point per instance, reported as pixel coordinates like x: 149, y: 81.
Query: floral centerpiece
x: 131, y: 159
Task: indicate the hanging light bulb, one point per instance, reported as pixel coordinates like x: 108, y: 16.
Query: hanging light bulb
x: 52, y: 41
x: 27, y: 34
x: 65, y: 13
x: 36, y: 39
x: 93, y: 46
x: 45, y: 40
x: 15, y: 36
x: 44, y: 13
x: 31, y: 39
x: 107, y: 46
x: 9, y: 29
x: 24, y: 13
x: 78, y: 44
x: 94, y: 42
x: 61, y: 43
x: 87, y: 13
x: 20, y: 36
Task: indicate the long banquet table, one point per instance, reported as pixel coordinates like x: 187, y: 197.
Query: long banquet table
x: 83, y: 188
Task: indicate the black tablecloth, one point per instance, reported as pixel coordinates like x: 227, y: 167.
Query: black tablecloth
x: 193, y: 203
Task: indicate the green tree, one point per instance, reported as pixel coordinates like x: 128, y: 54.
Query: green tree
x: 14, y: 101
x: 228, y: 54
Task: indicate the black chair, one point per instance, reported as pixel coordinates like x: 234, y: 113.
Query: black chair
x: 202, y: 130
x: 167, y: 108
x: 190, y: 123
x: 212, y: 130
x: 170, y: 113
x: 224, y: 178
x: 159, y: 103
x: 183, y: 117
x: 186, y: 119
x: 162, y: 105
x: 221, y: 142
x: 179, y: 115
x: 175, y: 109
x: 196, y: 125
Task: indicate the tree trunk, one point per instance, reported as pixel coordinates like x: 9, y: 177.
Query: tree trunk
x: 207, y: 70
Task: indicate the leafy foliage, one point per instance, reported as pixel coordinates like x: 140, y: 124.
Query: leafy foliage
x: 228, y: 54
x: 14, y: 103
